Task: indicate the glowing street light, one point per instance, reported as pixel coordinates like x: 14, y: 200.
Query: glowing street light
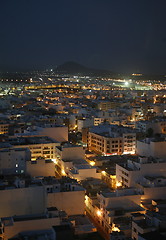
x: 115, y: 229
x: 55, y: 161
x: 63, y: 172
x: 118, y: 184
x: 103, y: 173
x: 99, y: 213
x: 92, y: 163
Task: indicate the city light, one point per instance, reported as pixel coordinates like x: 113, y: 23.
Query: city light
x: 99, y: 213
x: 63, y: 172
x: 92, y: 163
x: 115, y: 229
x: 103, y: 173
x: 77, y: 140
x: 55, y: 161
x: 118, y: 184
x: 86, y: 198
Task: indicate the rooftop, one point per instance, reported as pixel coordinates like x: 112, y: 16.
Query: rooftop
x: 154, y: 235
x: 30, y: 140
x: 110, y: 130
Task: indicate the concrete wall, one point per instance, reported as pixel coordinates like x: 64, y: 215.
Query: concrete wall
x: 13, y: 161
x: 60, y: 134
x: 22, y: 201
x: 158, y: 149
x: 121, y: 201
x: 154, y: 149
x: 82, y: 174
x: 155, y: 193
x: 83, y: 123
x: 149, y: 169
x: 30, y: 225
x: 71, y: 153
x: 41, y: 168
x: 72, y: 202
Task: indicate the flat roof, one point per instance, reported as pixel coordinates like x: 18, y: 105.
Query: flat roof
x: 30, y: 140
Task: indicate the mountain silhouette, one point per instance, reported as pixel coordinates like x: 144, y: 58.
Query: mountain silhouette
x: 76, y: 68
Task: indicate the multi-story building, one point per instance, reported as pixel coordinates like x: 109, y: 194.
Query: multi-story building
x: 98, y: 120
x: 113, y: 209
x: 67, y: 155
x: 106, y: 105
x: 154, y: 147
x: 70, y: 152
x: 130, y: 173
x: 112, y: 139
x: 16, y: 225
x: 4, y: 128
x: 39, y: 146
x: 84, y: 123
x: 151, y: 222
x: 65, y: 194
x: 40, y: 167
x: 57, y: 132
x: 157, y: 126
x: 84, y: 171
x: 13, y: 160
x: 21, y: 196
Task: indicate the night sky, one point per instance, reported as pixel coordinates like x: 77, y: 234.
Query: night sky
x: 120, y: 35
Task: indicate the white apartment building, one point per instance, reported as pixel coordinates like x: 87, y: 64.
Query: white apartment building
x: 113, y: 209
x: 152, y: 187
x: 70, y: 152
x: 40, y: 167
x: 154, y: 147
x: 83, y: 171
x: 13, y: 160
x: 112, y: 139
x: 13, y: 226
x: 20, y: 197
x: 85, y: 122
x: 68, y: 155
x: 65, y: 194
x: 148, y: 223
x: 129, y: 174
x: 57, y: 132
x: 40, y: 147
x: 158, y: 126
